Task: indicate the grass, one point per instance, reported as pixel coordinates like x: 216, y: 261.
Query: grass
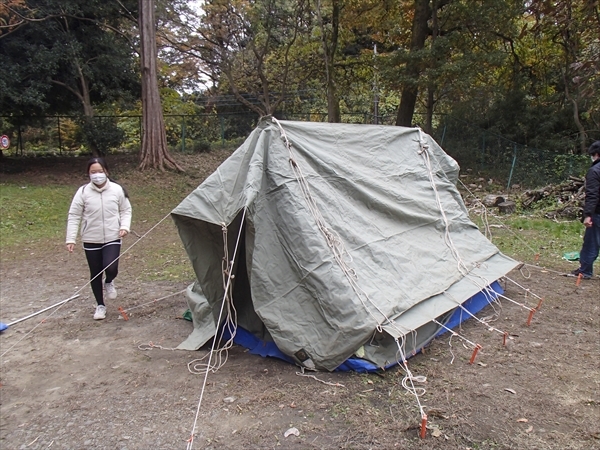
x: 533, y: 237
x: 35, y: 196
x: 32, y: 213
x: 167, y: 263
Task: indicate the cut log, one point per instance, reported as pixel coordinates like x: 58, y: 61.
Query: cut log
x: 507, y: 207
x: 493, y: 200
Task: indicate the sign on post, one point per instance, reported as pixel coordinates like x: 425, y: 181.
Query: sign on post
x: 4, y: 142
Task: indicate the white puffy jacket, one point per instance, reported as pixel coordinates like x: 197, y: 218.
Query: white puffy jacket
x: 102, y: 213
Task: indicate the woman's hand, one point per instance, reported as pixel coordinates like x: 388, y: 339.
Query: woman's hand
x: 123, y: 233
x: 70, y: 247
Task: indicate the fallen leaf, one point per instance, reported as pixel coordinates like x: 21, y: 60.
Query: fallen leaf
x: 522, y: 419
x: 291, y: 431
x: 436, y: 432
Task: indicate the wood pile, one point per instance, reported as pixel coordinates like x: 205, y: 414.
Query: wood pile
x: 568, y: 196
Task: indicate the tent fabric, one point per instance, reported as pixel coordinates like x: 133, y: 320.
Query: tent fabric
x: 298, y: 192
x: 263, y: 348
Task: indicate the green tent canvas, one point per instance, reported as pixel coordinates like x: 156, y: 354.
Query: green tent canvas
x: 347, y: 241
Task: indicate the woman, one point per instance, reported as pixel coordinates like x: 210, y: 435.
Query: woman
x: 102, y: 208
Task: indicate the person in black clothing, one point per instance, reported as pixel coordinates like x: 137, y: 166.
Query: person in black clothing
x: 591, y: 217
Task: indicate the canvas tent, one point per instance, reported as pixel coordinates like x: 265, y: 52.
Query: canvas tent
x: 346, y: 242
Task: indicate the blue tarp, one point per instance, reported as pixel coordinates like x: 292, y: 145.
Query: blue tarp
x: 263, y: 348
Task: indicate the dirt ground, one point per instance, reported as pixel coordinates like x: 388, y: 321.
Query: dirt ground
x: 69, y: 382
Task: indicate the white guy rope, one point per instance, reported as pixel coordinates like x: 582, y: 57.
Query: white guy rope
x: 190, y: 442
x: 43, y: 310
x: 59, y: 304
x: 82, y: 287
x: 454, y: 333
x: 154, y: 301
x: 328, y: 383
x: 480, y: 203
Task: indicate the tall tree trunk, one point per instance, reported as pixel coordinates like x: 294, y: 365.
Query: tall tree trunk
x: 583, y: 137
x: 408, y: 99
x: 82, y: 92
x: 333, y: 103
x: 154, y: 152
x: 329, y: 49
x: 88, y: 111
x: 431, y: 86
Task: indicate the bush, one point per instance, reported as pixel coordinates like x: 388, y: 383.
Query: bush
x: 202, y: 146
x: 102, y: 134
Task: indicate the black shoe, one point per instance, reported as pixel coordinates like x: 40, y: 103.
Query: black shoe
x: 575, y: 273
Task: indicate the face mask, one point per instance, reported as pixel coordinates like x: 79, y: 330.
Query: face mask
x: 98, y: 178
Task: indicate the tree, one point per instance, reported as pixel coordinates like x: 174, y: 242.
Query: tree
x: 420, y: 31
x: 154, y: 152
x: 64, y: 55
x: 329, y: 40
x: 248, y: 49
x: 570, y: 30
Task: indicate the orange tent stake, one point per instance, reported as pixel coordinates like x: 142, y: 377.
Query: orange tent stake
x: 474, y: 355
x: 123, y: 313
x: 531, y: 313
x: 539, y: 305
x: 423, y: 426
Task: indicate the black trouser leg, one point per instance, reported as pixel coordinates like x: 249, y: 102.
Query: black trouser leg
x: 94, y: 259
x: 110, y: 253
x: 102, y: 257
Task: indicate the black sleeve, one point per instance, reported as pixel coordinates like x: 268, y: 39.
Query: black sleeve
x: 592, y: 191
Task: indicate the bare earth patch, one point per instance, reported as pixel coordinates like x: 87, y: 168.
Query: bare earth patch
x: 69, y: 382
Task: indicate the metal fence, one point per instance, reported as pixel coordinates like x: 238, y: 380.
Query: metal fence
x: 477, y: 151
x: 493, y: 156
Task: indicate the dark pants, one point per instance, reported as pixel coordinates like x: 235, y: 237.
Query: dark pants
x: 102, y: 257
x: 591, y: 247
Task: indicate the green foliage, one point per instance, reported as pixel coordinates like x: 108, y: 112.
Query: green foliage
x: 505, y: 73
x: 202, y: 146
x: 102, y: 134
x: 492, y: 155
x: 67, y: 56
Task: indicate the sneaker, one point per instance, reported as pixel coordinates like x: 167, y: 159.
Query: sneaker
x: 111, y: 291
x: 100, y: 312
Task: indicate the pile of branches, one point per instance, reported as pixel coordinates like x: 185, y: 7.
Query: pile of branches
x: 568, y: 196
